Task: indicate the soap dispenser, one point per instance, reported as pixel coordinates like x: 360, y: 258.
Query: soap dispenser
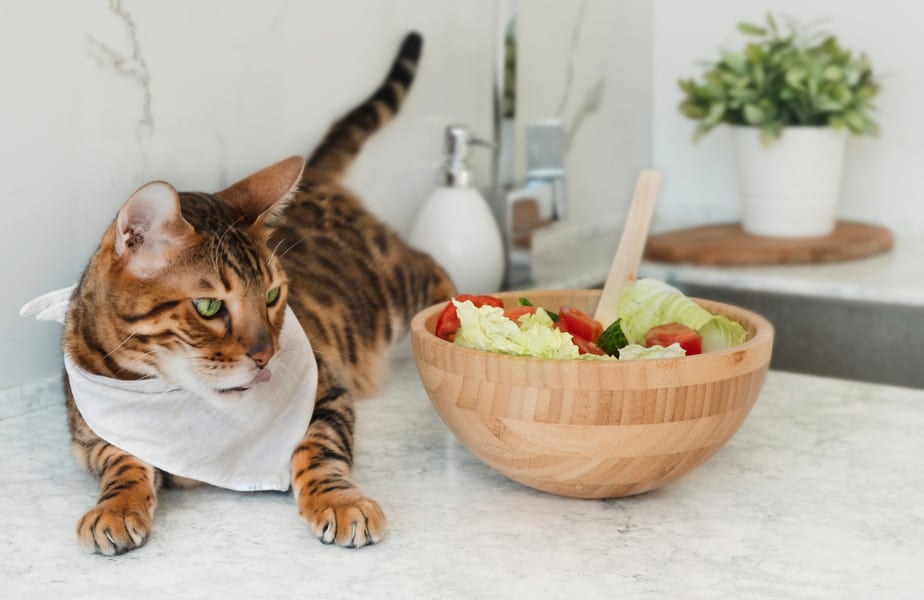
x: 456, y: 226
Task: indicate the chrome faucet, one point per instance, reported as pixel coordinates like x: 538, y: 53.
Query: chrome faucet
x: 538, y: 202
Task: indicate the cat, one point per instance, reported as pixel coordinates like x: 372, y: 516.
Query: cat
x: 191, y: 287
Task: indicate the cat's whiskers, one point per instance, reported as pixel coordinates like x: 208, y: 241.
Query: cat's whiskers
x: 216, y: 247
x: 130, y: 366
x: 286, y: 374
x: 292, y: 247
x: 122, y: 343
x: 324, y: 354
x: 284, y: 369
x: 273, y: 253
x: 221, y: 238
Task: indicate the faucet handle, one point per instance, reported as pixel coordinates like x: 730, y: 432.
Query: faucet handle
x: 545, y: 149
x: 545, y: 161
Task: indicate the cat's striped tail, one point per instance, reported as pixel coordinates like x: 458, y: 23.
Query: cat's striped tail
x: 344, y: 139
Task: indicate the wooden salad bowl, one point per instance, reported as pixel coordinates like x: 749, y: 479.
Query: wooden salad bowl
x: 592, y: 429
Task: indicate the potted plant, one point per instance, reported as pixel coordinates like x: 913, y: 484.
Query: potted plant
x: 791, y: 98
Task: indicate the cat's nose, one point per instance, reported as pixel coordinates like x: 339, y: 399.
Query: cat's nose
x: 261, y: 352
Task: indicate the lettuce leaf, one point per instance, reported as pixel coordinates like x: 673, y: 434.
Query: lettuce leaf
x: 647, y: 303
x: 722, y: 332
x: 637, y: 352
x: 486, y: 328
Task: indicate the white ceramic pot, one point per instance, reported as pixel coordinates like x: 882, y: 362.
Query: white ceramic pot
x: 791, y: 187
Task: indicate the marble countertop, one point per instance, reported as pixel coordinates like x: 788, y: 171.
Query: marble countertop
x: 820, y: 494
x: 581, y: 257
x: 895, y: 277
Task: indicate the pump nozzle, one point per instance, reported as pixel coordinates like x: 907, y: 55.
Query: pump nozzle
x: 458, y: 141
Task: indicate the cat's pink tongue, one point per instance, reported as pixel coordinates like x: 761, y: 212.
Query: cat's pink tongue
x: 263, y: 374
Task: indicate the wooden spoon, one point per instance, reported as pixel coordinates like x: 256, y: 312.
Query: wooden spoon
x: 624, y: 268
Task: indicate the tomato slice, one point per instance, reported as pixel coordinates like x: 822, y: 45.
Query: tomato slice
x: 561, y: 325
x: 448, y: 321
x: 665, y: 335
x: 580, y: 324
x: 585, y: 346
x: 515, y: 312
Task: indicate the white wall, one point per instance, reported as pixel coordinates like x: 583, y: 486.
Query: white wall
x: 588, y: 63
x: 94, y: 103
x: 884, y: 178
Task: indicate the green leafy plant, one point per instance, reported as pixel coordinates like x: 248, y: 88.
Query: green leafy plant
x: 778, y: 80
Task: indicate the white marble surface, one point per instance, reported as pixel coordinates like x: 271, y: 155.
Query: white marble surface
x: 819, y: 495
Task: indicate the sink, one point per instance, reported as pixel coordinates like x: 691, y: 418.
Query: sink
x: 858, y: 340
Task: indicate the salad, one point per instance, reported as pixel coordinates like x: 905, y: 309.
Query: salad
x: 656, y: 321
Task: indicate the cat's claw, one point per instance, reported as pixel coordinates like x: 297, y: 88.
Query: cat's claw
x: 111, y: 530
x: 347, y: 519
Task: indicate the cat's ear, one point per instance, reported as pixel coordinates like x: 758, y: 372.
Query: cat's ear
x: 262, y: 197
x: 150, y: 228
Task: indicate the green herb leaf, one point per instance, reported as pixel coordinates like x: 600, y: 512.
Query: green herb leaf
x: 753, y: 115
x: 833, y: 73
x: 716, y: 110
x: 734, y: 61
x: 751, y: 29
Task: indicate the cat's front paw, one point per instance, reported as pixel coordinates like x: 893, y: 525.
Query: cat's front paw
x: 114, y: 528
x: 344, y: 517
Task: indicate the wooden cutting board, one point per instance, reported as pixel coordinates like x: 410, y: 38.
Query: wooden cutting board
x: 728, y: 244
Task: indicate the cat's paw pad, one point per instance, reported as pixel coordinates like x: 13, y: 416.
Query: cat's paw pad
x: 343, y: 517
x: 112, y: 530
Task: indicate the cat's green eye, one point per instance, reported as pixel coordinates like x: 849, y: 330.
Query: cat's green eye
x: 272, y: 296
x: 207, y: 307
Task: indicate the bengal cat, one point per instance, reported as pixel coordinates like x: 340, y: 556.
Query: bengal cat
x: 191, y: 287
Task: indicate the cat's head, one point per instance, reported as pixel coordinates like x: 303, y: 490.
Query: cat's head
x: 188, y: 287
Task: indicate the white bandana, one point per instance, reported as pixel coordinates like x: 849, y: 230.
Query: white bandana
x: 243, y: 444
